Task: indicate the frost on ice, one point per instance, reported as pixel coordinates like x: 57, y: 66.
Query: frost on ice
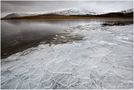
x: 102, y: 60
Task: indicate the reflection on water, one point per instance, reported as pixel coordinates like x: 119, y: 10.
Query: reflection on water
x: 18, y: 35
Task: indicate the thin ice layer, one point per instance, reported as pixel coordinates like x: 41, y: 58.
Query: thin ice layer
x: 103, y: 59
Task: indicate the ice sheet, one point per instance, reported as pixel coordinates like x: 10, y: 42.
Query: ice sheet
x: 102, y: 60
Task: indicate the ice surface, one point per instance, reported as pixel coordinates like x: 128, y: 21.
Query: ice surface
x: 102, y: 60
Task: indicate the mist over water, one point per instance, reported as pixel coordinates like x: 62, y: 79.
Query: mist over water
x: 20, y: 33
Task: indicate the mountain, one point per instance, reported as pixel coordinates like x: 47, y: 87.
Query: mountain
x: 127, y: 11
x: 65, y: 12
x: 124, y: 13
x: 12, y: 15
x: 75, y: 12
x: 71, y: 14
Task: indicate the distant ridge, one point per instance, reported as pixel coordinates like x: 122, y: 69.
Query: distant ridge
x: 71, y: 14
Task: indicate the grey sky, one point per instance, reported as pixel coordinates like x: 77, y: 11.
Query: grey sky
x: 47, y: 6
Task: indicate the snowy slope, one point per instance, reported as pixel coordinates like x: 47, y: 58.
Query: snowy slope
x: 127, y: 11
x: 102, y: 60
x: 75, y: 12
x: 59, y: 12
x: 71, y: 11
x: 11, y: 15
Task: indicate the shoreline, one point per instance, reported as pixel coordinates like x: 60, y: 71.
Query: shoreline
x: 67, y: 17
x: 25, y: 45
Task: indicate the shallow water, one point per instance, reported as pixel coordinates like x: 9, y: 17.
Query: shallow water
x: 18, y: 35
x: 22, y: 34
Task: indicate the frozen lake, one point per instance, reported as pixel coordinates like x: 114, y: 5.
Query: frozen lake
x: 101, y: 59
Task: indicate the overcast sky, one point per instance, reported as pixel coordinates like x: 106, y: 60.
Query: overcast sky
x: 47, y: 6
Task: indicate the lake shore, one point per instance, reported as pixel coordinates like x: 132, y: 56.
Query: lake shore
x: 21, y: 44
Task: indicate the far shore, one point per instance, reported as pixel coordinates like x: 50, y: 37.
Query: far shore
x: 68, y: 17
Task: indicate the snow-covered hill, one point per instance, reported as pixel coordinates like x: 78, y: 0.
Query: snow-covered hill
x: 71, y: 11
x: 76, y: 12
x: 60, y: 12
x: 11, y: 15
x: 127, y: 11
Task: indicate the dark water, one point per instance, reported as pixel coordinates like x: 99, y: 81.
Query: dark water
x: 18, y: 35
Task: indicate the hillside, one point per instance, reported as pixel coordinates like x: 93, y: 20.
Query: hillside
x: 72, y: 14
